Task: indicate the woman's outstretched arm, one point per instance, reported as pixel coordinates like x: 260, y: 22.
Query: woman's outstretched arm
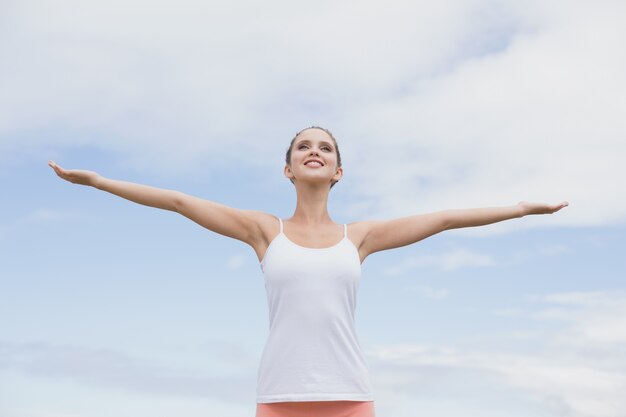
x: 228, y: 221
x: 457, y: 218
x: 389, y: 234
x: 138, y: 193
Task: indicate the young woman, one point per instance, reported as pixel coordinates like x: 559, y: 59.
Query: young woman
x: 312, y: 364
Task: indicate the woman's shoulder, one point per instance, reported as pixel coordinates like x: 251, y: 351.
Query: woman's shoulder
x: 267, y: 224
x: 263, y: 218
x: 359, y: 229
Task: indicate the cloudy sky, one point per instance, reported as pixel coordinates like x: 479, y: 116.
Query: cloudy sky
x: 112, y: 308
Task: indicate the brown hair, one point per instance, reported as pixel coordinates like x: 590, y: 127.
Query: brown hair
x: 288, y: 155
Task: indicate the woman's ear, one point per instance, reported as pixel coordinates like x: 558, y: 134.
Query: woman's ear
x: 288, y: 172
x: 339, y: 174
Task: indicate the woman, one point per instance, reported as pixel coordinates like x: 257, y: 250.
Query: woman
x: 312, y: 364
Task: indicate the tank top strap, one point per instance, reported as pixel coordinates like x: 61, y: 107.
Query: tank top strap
x: 345, y: 230
x: 281, y: 224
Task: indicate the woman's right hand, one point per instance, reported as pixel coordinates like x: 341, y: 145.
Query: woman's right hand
x: 76, y: 176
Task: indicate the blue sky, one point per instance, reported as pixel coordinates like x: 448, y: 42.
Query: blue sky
x: 112, y: 308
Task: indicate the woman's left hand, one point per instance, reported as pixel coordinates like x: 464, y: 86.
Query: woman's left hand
x: 541, y: 208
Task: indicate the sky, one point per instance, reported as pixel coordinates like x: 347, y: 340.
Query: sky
x: 111, y: 308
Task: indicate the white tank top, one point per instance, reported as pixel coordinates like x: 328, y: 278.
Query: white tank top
x: 312, y: 352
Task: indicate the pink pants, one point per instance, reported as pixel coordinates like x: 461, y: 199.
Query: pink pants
x: 316, y: 409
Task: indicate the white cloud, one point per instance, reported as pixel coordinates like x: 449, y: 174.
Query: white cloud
x: 108, y: 368
x: 40, y: 216
x: 597, y: 319
x: 577, y: 370
x: 553, y: 249
x: 436, y: 104
x: 236, y: 262
x: 448, y: 261
x: 430, y: 292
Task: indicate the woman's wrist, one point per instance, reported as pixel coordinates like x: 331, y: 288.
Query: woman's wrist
x: 96, y: 182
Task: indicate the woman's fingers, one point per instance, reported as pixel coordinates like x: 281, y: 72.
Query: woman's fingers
x: 54, y: 166
x: 76, y: 176
x: 57, y: 169
x: 62, y: 173
x: 542, y: 208
x: 559, y: 206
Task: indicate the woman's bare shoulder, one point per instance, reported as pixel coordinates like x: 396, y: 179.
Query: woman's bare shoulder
x: 358, y: 230
x: 267, y: 224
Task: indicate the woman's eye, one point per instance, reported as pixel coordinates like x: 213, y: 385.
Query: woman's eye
x: 328, y: 148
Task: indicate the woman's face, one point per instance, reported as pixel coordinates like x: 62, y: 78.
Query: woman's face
x: 314, y: 144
